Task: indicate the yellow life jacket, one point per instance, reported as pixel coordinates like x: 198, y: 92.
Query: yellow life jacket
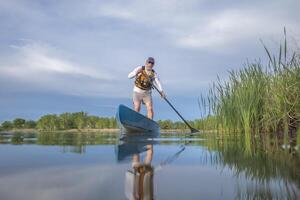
x: 141, y: 80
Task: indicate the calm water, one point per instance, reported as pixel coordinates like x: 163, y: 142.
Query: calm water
x: 73, y: 166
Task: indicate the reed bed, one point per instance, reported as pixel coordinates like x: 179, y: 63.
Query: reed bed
x: 259, y: 99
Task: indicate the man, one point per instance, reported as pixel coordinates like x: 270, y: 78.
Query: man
x: 144, y: 77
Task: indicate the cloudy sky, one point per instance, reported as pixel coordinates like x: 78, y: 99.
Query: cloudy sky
x: 74, y: 55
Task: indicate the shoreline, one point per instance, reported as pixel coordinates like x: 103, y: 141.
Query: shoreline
x: 103, y: 130
x: 60, y: 131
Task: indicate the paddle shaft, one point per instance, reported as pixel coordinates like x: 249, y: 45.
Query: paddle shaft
x: 190, y: 127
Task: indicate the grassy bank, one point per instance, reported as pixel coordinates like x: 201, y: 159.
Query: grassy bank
x: 259, y: 99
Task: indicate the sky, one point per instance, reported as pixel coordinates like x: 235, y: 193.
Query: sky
x: 73, y: 55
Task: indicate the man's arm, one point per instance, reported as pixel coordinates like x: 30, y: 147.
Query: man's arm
x: 134, y: 72
x: 157, y: 83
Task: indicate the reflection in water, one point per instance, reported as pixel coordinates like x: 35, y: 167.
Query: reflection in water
x: 268, y: 172
x: 139, y: 179
x: 17, y: 138
x: 85, y: 166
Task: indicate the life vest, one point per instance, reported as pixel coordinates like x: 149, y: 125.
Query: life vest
x: 142, y: 81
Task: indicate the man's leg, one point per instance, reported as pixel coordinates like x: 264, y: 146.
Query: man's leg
x: 147, y: 98
x: 149, y: 109
x: 137, y: 106
x: 137, y: 102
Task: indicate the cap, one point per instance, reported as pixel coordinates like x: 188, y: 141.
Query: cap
x: 150, y: 60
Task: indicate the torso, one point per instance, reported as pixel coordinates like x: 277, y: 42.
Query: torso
x: 142, y: 83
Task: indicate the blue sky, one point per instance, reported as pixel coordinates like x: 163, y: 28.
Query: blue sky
x: 73, y: 55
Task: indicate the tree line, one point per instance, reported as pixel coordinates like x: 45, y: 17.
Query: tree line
x: 64, y: 121
x: 81, y: 120
x: 206, y: 123
x: 18, y: 123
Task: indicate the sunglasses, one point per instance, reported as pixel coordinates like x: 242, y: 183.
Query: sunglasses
x: 151, y: 63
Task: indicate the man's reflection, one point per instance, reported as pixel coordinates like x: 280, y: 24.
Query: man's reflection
x: 139, y: 179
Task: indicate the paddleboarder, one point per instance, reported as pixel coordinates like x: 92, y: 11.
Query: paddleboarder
x: 144, y: 77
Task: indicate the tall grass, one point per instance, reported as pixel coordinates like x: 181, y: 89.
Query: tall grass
x: 259, y: 99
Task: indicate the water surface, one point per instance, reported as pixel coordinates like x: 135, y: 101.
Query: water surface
x: 90, y: 166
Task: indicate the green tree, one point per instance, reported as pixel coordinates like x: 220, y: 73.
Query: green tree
x: 49, y: 123
x: 30, y: 124
x: 80, y: 119
x: 66, y: 121
x: 179, y: 125
x: 165, y: 124
x: 6, y: 125
x: 112, y: 123
x: 19, y: 123
x: 92, y: 121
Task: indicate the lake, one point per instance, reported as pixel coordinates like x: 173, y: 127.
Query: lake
x: 75, y: 166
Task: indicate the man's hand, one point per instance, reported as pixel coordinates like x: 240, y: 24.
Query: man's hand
x: 163, y: 94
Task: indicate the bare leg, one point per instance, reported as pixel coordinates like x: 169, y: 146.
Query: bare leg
x: 149, y: 154
x: 137, y: 106
x: 149, y: 110
x: 135, y: 160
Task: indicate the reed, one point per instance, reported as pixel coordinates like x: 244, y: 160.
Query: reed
x: 259, y: 99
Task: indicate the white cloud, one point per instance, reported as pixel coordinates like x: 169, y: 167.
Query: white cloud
x: 44, y: 66
x: 120, y: 35
x: 39, y: 58
x: 232, y: 27
x: 190, y: 25
x: 111, y: 11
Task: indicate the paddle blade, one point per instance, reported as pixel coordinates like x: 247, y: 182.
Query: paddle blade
x: 193, y: 130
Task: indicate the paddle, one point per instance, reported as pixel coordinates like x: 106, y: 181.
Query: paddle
x: 193, y: 130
